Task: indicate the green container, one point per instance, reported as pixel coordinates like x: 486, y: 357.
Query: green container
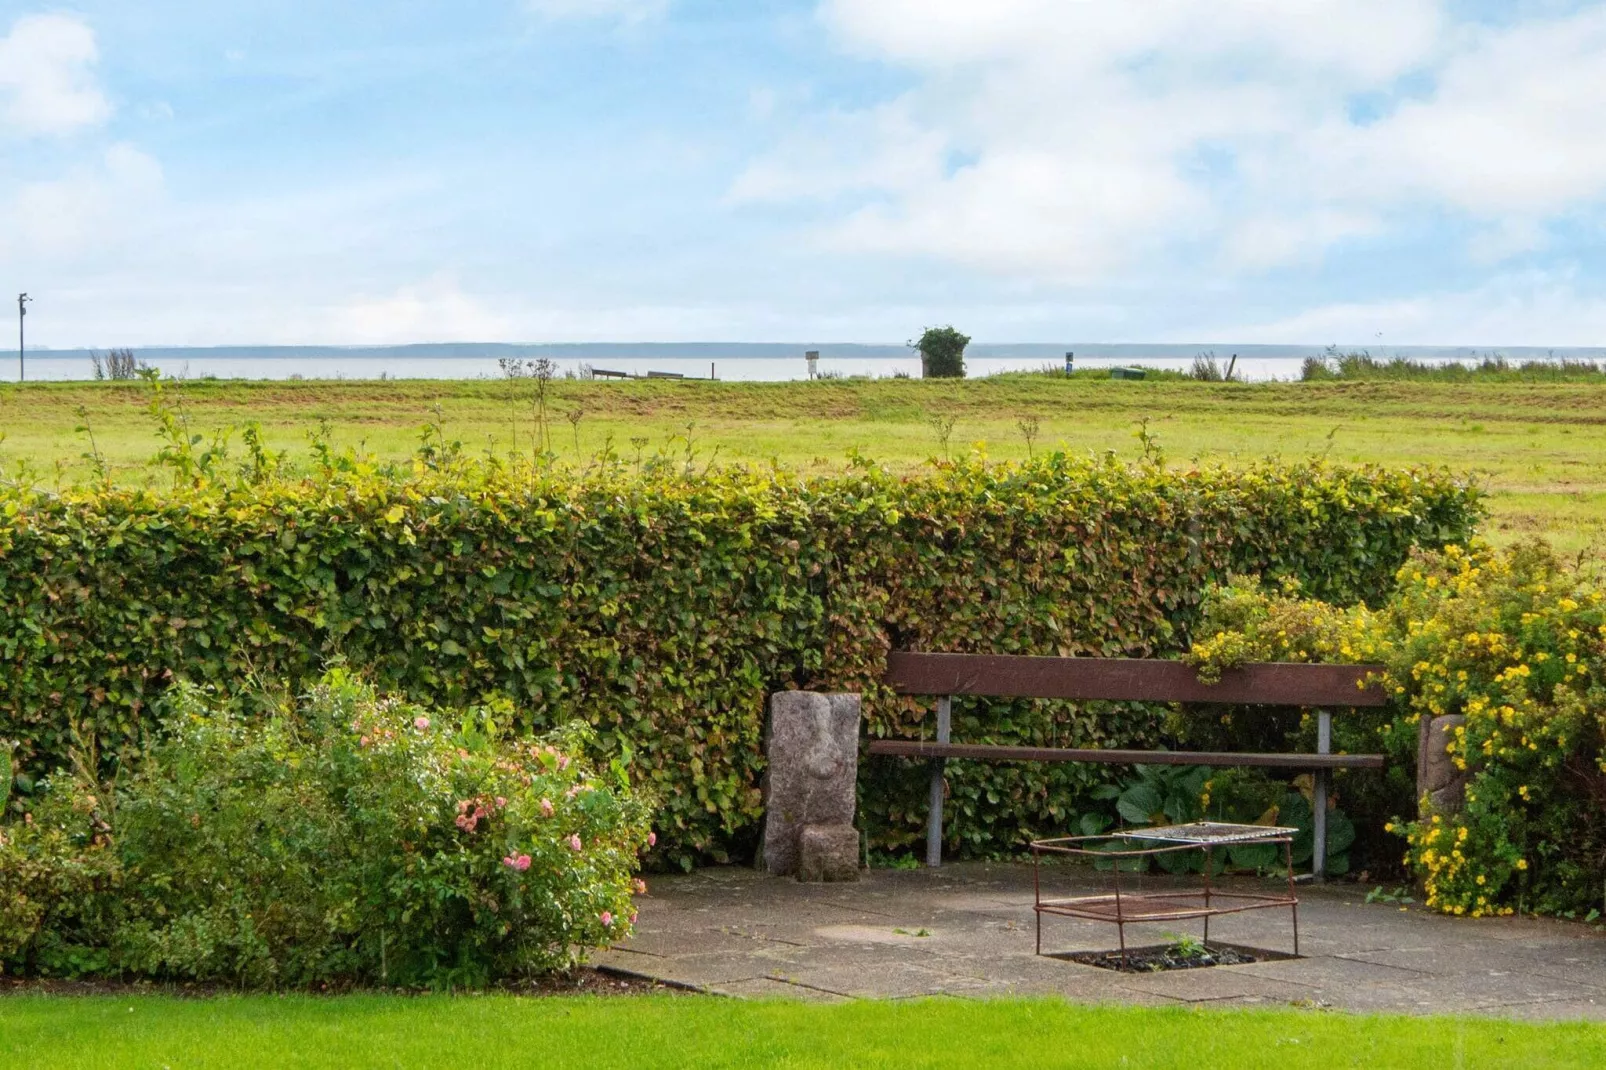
x: 1128, y: 373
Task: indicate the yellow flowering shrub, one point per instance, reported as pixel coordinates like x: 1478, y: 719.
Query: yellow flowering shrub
x: 1515, y: 641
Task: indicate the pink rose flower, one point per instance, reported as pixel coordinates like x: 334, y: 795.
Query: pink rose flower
x: 641, y: 886
x: 420, y: 723
x: 652, y: 839
x: 607, y: 919
x: 574, y: 842
x: 501, y: 802
x: 510, y: 862
x: 546, y: 807
x: 632, y: 917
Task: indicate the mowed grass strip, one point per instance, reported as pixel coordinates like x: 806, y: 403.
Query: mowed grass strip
x: 1540, y: 448
x: 682, y: 1031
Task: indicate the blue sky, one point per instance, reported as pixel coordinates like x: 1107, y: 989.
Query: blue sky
x: 1363, y: 172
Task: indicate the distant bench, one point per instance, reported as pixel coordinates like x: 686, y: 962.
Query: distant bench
x: 1129, y: 680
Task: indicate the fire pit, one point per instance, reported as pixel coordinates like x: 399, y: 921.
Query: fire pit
x: 1175, y: 904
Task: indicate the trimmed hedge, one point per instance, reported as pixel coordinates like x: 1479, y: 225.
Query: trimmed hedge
x: 662, y: 608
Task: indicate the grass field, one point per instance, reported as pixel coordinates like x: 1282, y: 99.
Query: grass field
x: 642, y: 1032
x: 1539, y: 447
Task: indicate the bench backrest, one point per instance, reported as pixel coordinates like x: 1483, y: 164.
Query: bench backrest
x: 1132, y: 680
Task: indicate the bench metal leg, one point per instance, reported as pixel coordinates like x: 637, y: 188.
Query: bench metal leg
x: 934, y: 803
x: 1324, y: 745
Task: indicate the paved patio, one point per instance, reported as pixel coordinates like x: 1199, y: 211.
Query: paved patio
x: 967, y: 930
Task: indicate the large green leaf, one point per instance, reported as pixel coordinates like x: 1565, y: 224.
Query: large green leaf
x: 1140, y: 804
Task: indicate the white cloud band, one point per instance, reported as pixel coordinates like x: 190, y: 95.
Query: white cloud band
x: 1063, y: 141
x: 46, y: 80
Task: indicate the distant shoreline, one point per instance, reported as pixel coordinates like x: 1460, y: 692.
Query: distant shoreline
x: 1046, y: 351
x: 727, y: 361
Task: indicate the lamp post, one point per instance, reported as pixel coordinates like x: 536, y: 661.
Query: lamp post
x: 22, y: 313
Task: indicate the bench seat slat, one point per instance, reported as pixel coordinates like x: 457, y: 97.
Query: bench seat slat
x: 996, y: 753
x: 1131, y: 680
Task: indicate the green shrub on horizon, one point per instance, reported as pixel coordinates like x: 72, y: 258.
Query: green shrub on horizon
x: 662, y: 607
x: 942, y: 352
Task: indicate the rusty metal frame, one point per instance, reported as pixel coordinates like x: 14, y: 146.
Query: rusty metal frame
x: 1128, y: 908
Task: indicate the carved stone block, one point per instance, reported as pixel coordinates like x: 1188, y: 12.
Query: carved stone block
x: 1440, y: 783
x: 813, y: 772
x: 828, y: 853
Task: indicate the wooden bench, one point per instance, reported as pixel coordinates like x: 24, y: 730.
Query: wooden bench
x: 1129, y: 680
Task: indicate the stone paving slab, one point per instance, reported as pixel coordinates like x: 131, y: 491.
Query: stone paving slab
x: 1201, y: 986
x: 968, y: 931
x: 1554, y: 1010
x: 770, y: 988
x: 885, y: 981
x: 689, y: 971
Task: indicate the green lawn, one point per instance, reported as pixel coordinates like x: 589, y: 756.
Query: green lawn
x: 638, y: 1032
x: 1539, y: 447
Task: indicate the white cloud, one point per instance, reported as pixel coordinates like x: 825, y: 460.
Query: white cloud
x: 1264, y: 241
x: 881, y: 148
x: 1018, y: 209
x: 87, y: 212
x: 1515, y: 309
x: 1319, y: 38
x: 46, y: 83
x: 628, y: 11
x: 1068, y: 142
x: 1514, y: 126
x: 434, y: 311
x: 1504, y: 238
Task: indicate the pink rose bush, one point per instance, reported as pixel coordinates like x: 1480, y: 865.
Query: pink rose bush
x: 544, y: 847
x: 344, y: 842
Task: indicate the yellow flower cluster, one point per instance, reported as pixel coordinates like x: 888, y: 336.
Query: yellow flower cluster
x: 1454, y: 879
x: 1514, y: 641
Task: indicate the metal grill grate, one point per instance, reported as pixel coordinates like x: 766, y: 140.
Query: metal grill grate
x: 1205, y: 832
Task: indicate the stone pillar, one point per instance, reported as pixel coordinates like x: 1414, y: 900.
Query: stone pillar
x: 809, y: 795
x: 1440, y: 786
